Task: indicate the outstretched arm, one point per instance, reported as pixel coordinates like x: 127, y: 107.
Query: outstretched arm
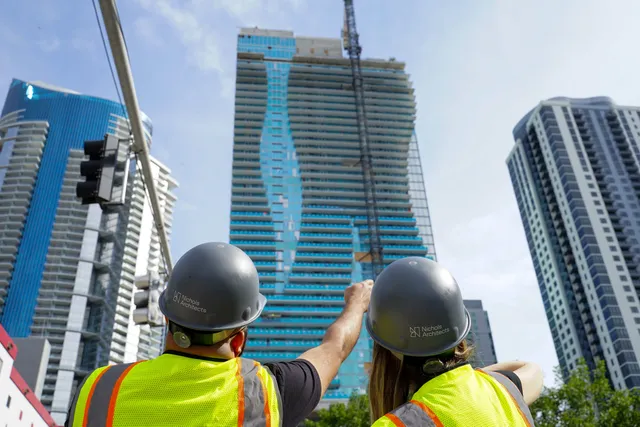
x: 342, y: 335
x: 530, y: 375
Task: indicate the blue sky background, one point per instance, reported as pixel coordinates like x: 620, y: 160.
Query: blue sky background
x: 477, y: 66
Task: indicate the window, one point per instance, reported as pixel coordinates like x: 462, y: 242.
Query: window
x: 8, y: 401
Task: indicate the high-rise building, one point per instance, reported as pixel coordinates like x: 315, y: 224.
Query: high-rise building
x: 575, y: 169
x: 480, y: 336
x: 297, y: 204
x: 66, y: 269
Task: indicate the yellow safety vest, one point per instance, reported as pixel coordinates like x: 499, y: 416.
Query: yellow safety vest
x: 174, y: 390
x: 463, y: 397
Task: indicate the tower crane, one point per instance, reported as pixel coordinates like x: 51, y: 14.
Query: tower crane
x: 352, y: 46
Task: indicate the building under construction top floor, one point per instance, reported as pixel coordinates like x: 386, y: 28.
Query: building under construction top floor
x: 298, y: 206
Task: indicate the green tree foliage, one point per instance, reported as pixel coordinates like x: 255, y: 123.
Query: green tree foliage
x: 587, y: 399
x: 354, y: 414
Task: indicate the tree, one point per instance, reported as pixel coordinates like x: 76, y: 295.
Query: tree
x: 354, y: 414
x: 587, y: 399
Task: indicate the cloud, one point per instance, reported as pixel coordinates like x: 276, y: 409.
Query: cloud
x: 201, y: 43
x: 192, y: 22
x: 490, y: 260
x: 227, y: 87
x: 245, y: 10
x: 9, y: 36
x: 83, y: 44
x: 185, y: 206
x: 49, y: 45
x: 146, y: 29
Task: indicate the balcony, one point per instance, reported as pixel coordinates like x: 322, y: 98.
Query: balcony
x: 405, y: 250
x: 281, y: 345
x: 237, y: 225
x: 334, y: 247
x: 315, y: 227
x: 323, y: 300
x: 302, y: 310
x: 287, y: 332
x: 249, y: 234
x: 251, y: 216
x: 321, y: 267
x: 323, y: 256
x: 264, y: 356
x: 277, y: 320
x: 261, y: 255
x: 252, y: 244
x: 320, y: 277
x: 305, y: 289
x: 325, y: 237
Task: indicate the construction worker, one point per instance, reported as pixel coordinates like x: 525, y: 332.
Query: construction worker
x: 200, y: 379
x: 420, y: 371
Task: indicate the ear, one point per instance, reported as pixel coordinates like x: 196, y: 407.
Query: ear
x: 238, y: 341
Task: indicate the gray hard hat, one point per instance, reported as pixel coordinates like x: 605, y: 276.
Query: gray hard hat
x: 416, y: 309
x: 213, y: 287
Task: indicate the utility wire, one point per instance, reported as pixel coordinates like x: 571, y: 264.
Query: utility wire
x: 113, y: 74
x: 115, y: 83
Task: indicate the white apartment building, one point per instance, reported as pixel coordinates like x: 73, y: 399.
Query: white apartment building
x: 575, y: 169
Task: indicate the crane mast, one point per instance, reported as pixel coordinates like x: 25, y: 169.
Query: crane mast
x: 352, y: 46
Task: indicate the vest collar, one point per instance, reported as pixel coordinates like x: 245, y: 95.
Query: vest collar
x: 194, y: 356
x: 446, y: 377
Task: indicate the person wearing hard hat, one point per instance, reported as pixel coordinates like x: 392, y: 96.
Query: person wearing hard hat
x: 420, y: 371
x: 200, y: 380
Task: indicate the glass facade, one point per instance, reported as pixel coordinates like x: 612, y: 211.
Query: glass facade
x: 297, y: 204
x: 575, y: 171
x: 90, y: 117
x: 67, y: 269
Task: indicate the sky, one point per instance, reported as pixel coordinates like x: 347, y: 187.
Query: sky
x: 477, y: 68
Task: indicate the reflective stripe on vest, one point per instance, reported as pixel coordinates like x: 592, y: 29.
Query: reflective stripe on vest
x: 254, y: 407
x: 417, y: 414
x: 414, y: 413
x: 514, y: 393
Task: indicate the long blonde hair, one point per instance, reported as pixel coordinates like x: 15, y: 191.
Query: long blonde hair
x: 393, y: 381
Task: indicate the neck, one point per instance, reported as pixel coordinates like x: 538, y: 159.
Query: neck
x: 222, y: 351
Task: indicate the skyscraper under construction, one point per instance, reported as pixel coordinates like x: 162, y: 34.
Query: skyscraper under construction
x: 298, y: 205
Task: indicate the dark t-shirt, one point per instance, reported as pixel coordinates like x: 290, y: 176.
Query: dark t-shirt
x: 513, y: 377
x: 300, y: 389
x: 299, y: 386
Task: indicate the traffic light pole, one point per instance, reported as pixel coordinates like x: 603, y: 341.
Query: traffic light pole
x: 121, y: 59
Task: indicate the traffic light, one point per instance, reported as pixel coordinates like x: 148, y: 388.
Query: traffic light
x: 102, y: 170
x: 147, y: 311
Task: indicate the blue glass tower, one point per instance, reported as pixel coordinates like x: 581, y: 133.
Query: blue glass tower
x: 67, y: 269
x: 71, y: 119
x: 297, y: 205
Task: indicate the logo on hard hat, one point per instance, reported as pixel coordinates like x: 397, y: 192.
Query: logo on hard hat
x: 190, y: 303
x: 427, y: 331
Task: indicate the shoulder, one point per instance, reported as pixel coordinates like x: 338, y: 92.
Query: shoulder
x: 298, y: 375
x: 413, y: 413
x: 508, y: 375
x: 299, y: 386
